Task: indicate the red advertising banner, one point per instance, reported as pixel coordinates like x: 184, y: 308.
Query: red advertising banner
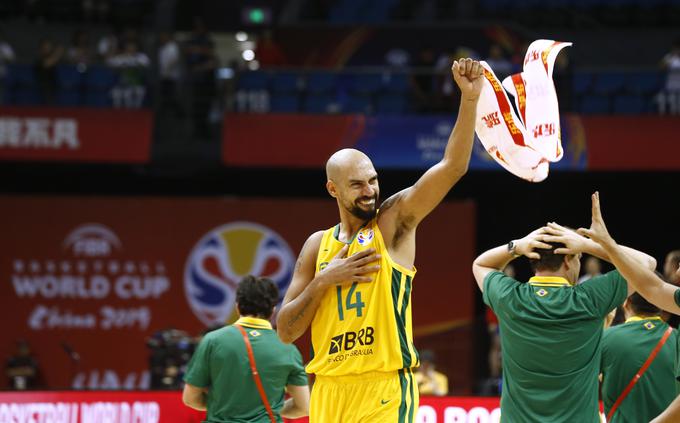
x: 632, y: 142
x: 167, y: 407
x: 288, y: 140
x: 75, y: 135
x: 88, y: 281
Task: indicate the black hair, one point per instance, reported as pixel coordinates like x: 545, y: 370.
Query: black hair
x: 641, y: 306
x: 257, y: 297
x: 549, y: 260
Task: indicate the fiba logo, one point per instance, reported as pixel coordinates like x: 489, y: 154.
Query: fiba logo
x: 92, y: 240
x: 223, y: 257
x: 365, y: 237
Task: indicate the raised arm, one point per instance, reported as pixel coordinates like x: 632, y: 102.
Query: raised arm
x: 496, y: 259
x: 642, y: 278
x: 411, y: 205
x: 306, y: 290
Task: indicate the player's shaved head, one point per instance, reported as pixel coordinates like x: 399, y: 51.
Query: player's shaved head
x: 342, y: 161
x: 353, y: 181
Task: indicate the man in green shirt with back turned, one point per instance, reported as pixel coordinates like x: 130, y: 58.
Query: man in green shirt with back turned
x: 625, y: 348
x: 551, y: 329
x: 219, y: 376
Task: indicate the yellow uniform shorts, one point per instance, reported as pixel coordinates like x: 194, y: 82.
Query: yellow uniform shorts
x: 389, y: 397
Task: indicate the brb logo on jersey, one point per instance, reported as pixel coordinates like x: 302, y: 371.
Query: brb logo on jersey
x: 365, y: 237
x: 223, y: 257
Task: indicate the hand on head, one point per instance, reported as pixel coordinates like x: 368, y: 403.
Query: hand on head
x: 534, y: 240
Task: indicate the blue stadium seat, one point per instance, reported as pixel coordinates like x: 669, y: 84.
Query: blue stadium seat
x: 20, y: 85
x: 397, y: 83
x: 100, y: 78
x: 358, y: 104
x: 581, y: 83
x: 284, y: 103
x: 644, y: 82
x: 251, y: 81
x: 69, y: 85
x: 285, y: 82
x: 391, y: 104
x: 319, y: 103
x: 68, y: 98
x: 631, y: 104
x: 609, y: 82
x: 98, y: 98
x: 68, y: 77
x: 366, y: 83
x: 28, y: 96
x: 321, y: 82
x: 594, y: 104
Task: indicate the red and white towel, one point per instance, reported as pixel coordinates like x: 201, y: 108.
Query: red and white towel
x: 525, y: 144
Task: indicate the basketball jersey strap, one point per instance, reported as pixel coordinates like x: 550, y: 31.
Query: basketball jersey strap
x: 256, y: 375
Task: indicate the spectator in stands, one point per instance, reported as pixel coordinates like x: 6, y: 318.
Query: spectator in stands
x: 6, y: 57
x: 496, y: 59
x: 430, y: 381
x: 422, y: 81
x: 132, y: 64
x: 107, y: 46
x: 399, y: 58
x: 593, y: 267
x: 201, y: 64
x: 22, y: 369
x: 671, y: 63
x: 169, y: 69
x: 669, y: 98
x: 79, y: 52
x: 444, y: 86
x: 50, y: 55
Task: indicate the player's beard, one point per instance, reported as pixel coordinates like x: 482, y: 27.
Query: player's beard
x: 361, y: 213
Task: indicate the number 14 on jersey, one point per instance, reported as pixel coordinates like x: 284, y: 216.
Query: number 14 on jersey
x: 351, y: 301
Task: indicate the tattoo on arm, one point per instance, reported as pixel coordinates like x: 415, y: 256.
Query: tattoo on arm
x: 300, y: 258
x: 390, y: 202
x: 297, y: 317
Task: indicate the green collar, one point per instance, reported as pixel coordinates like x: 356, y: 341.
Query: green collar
x: 336, y: 233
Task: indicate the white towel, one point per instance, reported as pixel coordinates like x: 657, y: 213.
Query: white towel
x: 525, y: 144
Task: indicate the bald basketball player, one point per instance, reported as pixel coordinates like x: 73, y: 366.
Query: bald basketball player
x: 352, y: 282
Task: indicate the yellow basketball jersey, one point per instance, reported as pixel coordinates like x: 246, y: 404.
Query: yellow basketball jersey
x: 363, y: 327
